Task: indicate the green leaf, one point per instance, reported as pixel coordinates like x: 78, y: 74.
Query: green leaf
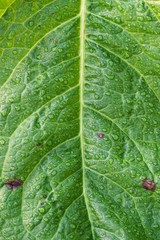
x: 4, y: 5
x: 79, y: 119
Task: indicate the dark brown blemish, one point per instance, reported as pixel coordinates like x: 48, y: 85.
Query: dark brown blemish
x: 44, y: 196
x: 42, y: 203
x: 13, y: 184
x: 100, y: 135
x: 38, y: 144
x: 148, y: 184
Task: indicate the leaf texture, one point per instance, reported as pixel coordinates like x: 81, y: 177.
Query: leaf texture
x: 79, y: 119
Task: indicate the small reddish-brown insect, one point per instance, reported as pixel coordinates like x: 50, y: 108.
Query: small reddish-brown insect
x: 100, y: 135
x: 148, y: 184
x: 13, y: 183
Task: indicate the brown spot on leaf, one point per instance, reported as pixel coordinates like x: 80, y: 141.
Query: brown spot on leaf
x: 13, y: 184
x: 44, y: 196
x: 38, y: 144
x: 148, y: 184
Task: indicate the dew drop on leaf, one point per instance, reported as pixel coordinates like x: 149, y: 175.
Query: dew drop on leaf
x: 2, y: 142
x: 54, y: 173
x: 41, y: 210
x: 14, y: 52
x: 31, y: 23
x: 110, y: 161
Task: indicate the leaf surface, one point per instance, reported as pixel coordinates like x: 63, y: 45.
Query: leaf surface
x: 79, y: 119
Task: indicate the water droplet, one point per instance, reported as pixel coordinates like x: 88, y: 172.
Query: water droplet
x: 4, y: 113
x: 45, y: 219
x: 54, y: 173
x: 10, y: 37
x: 100, y: 37
x: 41, y: 210
x: 115, y: 137
x: 140, y: 19
x: 110, y: 187
x: 119, y: 7
x: 96, y: 96
x: 155, y: 226
x: 101, y: 187
x: 2, y: 207
x: 110, y: 77
x: 42, y: 92
x: 14, y: 52
x: 2, y: 142
x: 31, y: 23
x: 38, y: 187
x: 110, y: 161
x: 49, y: 143
x: 110, y: 63
x: 118, y: 19
x: 11, y: 100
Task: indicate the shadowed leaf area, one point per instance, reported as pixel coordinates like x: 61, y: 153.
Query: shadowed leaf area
x: 79, y: 120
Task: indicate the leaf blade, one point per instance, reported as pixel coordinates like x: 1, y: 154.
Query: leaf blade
x: 80, y: 119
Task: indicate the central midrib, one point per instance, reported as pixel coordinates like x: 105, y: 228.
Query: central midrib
x: 82, y: 78
x: 82, y: 67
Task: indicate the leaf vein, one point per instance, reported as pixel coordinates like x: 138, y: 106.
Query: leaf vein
x: 35, y: 44
x: 136, y: 70
x: 132, y: 140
